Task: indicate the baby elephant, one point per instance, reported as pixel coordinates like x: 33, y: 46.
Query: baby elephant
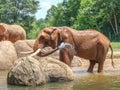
x: 89, y: 44
x: 11, y: 32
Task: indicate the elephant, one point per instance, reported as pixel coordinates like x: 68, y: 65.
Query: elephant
x: 11, y: 32
x: 88, y: 44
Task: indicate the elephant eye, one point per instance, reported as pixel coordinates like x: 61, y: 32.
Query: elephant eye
x: 42, y: 38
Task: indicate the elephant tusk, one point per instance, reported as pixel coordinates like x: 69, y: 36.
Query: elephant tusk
x: 28, y: 52
x: 32, y: 53
x: 36, y: 52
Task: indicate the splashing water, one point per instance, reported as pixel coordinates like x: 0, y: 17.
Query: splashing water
x: 65, y: 45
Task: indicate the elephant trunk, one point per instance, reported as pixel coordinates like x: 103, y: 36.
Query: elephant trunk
x: 63, y: 45
x: 42, y: 54
x: 37, y: 45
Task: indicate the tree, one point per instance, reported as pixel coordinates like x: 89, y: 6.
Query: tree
x: 86, y: 18
x: 110, y: 17
x: 37, y: 25
x: 64, y: 13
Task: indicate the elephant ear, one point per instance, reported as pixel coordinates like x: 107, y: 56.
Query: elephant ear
x: 63, y: 35
x: 2, y: 29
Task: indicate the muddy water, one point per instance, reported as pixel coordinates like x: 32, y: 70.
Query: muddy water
x: 109, y: 80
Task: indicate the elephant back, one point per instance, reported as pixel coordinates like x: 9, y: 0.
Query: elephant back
x: 14, y: 32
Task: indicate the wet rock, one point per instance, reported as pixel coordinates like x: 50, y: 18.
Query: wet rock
x: 56, y: 70
x: 26, y: 71
x: 29, y: 71
x: 7, y: 55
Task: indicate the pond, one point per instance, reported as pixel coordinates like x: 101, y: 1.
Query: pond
x: 109, y: 80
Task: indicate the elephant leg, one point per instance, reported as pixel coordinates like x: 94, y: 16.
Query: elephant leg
x: 100, y: 66
x: 64, y: 57
x: 101, y: 60
x: 92, y: 64
x: 101, y: 56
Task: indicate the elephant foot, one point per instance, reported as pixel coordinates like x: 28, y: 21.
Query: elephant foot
x: 100, y: 70
x: 90, y: 71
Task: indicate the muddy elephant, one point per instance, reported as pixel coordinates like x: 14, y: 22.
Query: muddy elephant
x: 89, y: 44
x: 11, y: 32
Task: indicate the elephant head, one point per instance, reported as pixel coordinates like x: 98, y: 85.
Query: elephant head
x: 3, y: 32
x: 53, y: 37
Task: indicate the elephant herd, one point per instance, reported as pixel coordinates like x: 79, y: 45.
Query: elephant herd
x: 89, y: 44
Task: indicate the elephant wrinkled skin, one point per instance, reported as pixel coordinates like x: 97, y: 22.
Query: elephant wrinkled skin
x: 89, y: 44
x: 11, y: 32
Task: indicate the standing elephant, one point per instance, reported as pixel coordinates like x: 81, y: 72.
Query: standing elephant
x: 11, y: 32
x: 88, y: 44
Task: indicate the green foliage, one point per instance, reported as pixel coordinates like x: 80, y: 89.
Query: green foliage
x: 34, y: 32
x: 86, y: 18
x: 37, y: 27
x: 64, y: 14
x: 108, y: 11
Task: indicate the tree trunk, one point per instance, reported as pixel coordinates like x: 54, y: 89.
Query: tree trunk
x: 116, y: 26
x: 112, y: 26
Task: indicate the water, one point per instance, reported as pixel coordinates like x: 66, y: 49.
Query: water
x: 109, y: 80
x: 97, y: 82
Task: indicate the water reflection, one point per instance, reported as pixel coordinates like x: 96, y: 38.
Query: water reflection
x: 50, y: 86
x: 109, y: 80
x: 95, y: 81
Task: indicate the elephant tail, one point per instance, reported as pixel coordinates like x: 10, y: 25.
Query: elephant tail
x: 112, y: 56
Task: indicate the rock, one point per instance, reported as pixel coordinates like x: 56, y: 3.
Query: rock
x: 7, y: 55
x: 76, y: 62
x: 31, y: 72
x: 56, y: 70
x: 23, y: 46
x: 26, y: 71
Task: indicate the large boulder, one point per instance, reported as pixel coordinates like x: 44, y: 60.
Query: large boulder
x: 7, y: 55
x: 56, y: 70
x: 29, y: 71
x: 23, y: 46
x: 26, y: 71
